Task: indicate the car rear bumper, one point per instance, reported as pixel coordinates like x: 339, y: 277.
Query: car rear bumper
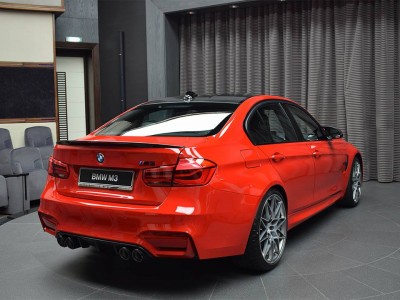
x: 193, y: 222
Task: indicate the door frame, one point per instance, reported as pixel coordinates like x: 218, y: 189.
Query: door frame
x: 89, y: 51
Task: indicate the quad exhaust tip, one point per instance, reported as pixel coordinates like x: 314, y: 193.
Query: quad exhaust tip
x: 71, y: 243
x: 124, y: 253
x: 136, y: 254
x: 61, y: 241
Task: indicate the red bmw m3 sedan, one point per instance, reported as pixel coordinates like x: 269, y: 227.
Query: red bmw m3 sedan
x: 199, y: 177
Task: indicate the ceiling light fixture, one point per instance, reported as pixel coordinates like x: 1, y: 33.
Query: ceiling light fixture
x: 234, y: 6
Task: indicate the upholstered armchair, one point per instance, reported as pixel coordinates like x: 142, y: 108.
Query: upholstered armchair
x: 28, y: 160
x: 40, y: 137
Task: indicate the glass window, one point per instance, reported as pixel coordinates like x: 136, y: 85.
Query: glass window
x: 172, y: 119
x: 308, y: 127
x: 269, y: 124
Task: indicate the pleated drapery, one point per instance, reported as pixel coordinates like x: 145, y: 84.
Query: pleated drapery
x: 339, y: 59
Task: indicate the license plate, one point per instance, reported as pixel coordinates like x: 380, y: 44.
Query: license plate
x: 106, y: 179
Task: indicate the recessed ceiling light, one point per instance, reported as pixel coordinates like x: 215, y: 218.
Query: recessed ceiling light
x: 73, y: 39
x: 191, y: 13
x: 234, y: 6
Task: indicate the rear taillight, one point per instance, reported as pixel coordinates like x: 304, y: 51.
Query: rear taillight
x: 193, y: 171
x: 161, y: 176
x: 58, y: 169
x: 188, y: 172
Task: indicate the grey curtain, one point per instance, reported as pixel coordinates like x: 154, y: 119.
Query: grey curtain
x: 339, y: 59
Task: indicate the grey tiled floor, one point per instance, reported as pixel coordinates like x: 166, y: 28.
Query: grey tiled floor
x: 339, y: 254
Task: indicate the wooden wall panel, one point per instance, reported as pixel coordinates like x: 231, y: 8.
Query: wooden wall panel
x: 26, y: 36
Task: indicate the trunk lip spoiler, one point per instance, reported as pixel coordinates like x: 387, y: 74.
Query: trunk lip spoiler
x: 116, y: 144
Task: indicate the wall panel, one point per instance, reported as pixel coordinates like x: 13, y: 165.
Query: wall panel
x: 28, y: 38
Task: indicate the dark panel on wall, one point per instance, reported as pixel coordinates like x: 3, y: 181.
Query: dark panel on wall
x: 172, y: 55
x: 79, y: 19
x: 129, y: 17
x: 26, y: 92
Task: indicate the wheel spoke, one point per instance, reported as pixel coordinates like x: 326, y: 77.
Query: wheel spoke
x: 281, y: 235
x: 268, y: 213
x: 271, y: 250
x: 264, y: 222
x: 263, y: 236
x: 266, y: 248
x: 280, y: 223
x: 276, y: 248
x: 277, y: 210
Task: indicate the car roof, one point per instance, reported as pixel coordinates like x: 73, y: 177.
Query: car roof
x: 218, y: 99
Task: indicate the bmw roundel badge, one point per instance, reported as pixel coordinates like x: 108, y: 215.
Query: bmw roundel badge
x: 100, y: 157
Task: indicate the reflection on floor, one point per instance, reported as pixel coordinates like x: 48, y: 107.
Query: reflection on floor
x: 339, y: 254
x: 4, y: 218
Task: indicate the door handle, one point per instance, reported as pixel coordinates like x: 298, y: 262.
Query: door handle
x: 316, y: 154
x: 277, y: 157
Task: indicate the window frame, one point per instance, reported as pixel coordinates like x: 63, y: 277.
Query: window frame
x: 255, y: 109
x: 296, y: 126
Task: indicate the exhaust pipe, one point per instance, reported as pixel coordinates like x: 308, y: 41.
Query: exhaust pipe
x: 61, y: 241
x: 124, y: 253
x: 71, y: 243
x: 138, y: 255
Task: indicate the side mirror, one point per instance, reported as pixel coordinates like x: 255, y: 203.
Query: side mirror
x: 332, y: 133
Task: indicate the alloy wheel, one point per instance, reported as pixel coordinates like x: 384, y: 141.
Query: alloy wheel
x: 273, y: 228
x: 356, y: 179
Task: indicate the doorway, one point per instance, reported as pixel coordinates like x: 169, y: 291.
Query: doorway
x: 78, y: 89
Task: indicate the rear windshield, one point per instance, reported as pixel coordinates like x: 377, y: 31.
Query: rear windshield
x: 172, y: 119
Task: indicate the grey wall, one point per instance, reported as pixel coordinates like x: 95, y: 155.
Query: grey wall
x: 128, y: 16
x: 79, y: 19
x: 163, y: 42
x: 155, y: 32
x: 152, y: 49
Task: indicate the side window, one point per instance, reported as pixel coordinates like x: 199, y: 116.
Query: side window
x: 308, y: 127
x: 258, y: 130
x: 270, y: 125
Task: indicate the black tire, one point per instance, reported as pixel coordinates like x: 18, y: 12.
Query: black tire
x: 267, y: 235
x: 353, y: 190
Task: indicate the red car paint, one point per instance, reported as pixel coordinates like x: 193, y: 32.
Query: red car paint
x: 208, y: 219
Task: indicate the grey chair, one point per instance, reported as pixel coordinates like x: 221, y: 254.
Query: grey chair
x: 3, y: 192
x: 28, y: 160
x: 13, y: 194
x: 5, y: 146
x: 40, y: 137
x: 13, y: 191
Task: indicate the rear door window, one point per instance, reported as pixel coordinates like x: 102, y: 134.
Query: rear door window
x: 172, y: 119
x: 269, y: 124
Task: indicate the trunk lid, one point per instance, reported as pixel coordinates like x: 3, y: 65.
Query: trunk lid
x: 111, y: 170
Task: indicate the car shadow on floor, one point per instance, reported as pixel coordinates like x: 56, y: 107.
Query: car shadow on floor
x: 170, y: 276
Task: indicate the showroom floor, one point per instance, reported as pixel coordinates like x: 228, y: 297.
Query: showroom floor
x: 339, y: 254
